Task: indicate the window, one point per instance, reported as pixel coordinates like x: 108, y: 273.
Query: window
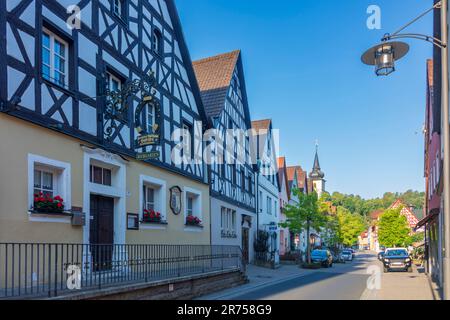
x: 54, y: 59
x: 192, y: 203
x: 228, y: 222
x: 100, y: 175
x: 275, y: 208
x: 118, y: 8
x: 190, y: 206
x: 51, y: 177
x: 157, y: 42
x: 152, y: 196
x: 44, y: 181
x: 188, y: 145
x: 151, y: 118
x: 113, y: 82
x: 250, y: 184
x: 149, y: 198
x: 269, y: 205
x: 242, y: 179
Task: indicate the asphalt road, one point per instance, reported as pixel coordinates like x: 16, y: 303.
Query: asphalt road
x: 341, y: 282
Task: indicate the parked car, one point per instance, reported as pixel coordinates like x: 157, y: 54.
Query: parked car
x: 347, y: 255
x: 337, y: 257
x: 381, y: 255
x: 323, y: 257
x: 397, y: 259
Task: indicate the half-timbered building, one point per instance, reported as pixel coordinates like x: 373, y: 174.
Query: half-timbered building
x: 268, y: 185
x: 233, y: 198
x: 284, y: 198
x: 91, y: 93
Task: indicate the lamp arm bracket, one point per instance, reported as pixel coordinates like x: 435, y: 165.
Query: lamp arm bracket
x: 438, y: 5
x: 435, y: 41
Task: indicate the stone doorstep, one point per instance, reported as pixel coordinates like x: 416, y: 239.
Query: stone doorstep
x: 92, y: 294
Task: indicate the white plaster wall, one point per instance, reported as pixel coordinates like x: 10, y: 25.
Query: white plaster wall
x: 216, y: 236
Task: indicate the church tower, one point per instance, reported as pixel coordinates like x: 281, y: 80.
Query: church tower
x: 316, y: 177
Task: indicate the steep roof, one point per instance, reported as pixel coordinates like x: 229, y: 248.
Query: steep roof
x: 316, y: 173
x: 374, y: 215
x: 261, y: 124
x: 282, y: 173
x: 214, y: 76
x: 300, y: 174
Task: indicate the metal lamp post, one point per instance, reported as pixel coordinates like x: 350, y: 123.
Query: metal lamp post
x: 383, y: 57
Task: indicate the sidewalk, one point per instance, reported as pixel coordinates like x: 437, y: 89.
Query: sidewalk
x: 403, y: 286
x: 259, y: 278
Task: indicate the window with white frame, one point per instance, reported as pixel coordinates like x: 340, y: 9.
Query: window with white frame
x: 228, y: 222
x: 55, y: 57
x: 153, y: 195
x: 149, y: 198
x: 269, y: 205
x: 151, y: 118
x: 192, y: 203
x: 113, y: 82
x: 44, y: 181
x: 100, y: 175
x: 48, y: 177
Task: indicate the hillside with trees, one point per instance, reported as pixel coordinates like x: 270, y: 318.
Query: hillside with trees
x: 358, y: 205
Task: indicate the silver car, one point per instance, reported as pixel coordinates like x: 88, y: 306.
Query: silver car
x: 347, y: 255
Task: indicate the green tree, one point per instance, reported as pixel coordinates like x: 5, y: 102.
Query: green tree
x: 350, y: 226
x: 304, y: 216
x: 393, y: 229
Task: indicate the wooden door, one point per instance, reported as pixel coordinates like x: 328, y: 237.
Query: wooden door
x: 102, y: 232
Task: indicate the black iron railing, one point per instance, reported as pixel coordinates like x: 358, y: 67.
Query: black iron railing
x: 44, y: 269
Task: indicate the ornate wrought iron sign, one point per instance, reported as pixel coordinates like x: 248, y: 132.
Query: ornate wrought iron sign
x: 117, y: 109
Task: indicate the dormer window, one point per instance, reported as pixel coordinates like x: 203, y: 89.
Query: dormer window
x: 157, y: 42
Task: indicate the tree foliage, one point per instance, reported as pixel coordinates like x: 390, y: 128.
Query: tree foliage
x: 356, y: 204
x: 305, y: 213
x: 350, y: 226
x: 393, y: 229
x: 304, y: 216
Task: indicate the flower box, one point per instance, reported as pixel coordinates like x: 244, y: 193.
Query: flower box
x: 48, y: 205
x: 152, y: 216
x: 193, y: 221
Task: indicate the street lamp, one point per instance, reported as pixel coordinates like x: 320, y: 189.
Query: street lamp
x: 383, y: 57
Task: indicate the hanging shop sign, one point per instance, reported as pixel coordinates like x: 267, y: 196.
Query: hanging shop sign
x: 147, y: 116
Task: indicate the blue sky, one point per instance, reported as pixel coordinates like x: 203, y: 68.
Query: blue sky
x: 303, y: 70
